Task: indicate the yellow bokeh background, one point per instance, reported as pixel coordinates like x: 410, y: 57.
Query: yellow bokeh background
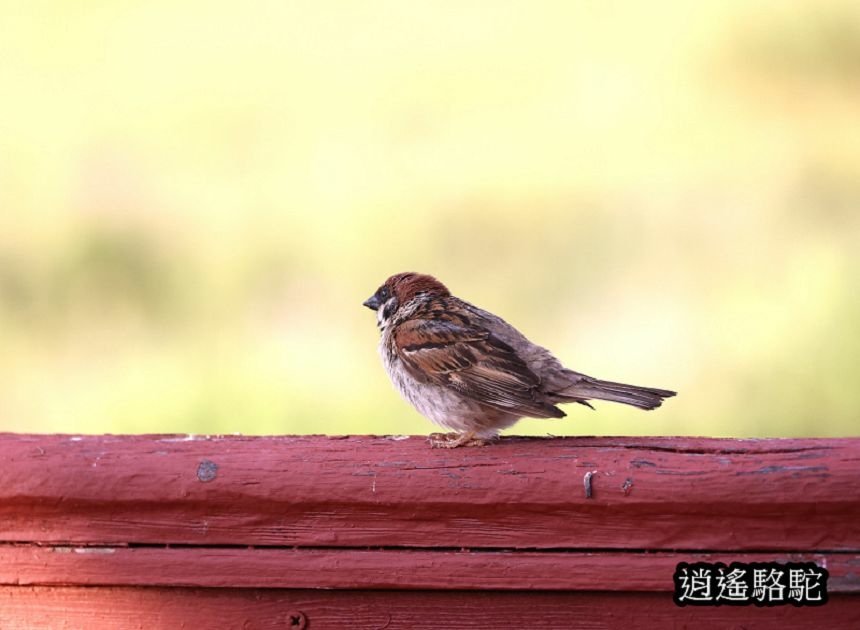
x: 196, y: 197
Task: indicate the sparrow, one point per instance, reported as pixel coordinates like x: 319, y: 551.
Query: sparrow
x: 471, y: 372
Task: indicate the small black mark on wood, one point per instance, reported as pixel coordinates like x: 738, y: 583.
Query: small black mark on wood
x: 627, y: 486
x: 639, y: 463
x: 207, y: 471
x: 778, y: 469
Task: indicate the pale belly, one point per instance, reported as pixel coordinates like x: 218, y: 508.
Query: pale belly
x: 443, y: 406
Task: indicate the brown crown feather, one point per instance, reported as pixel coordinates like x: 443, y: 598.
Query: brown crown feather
x: 407, y: 285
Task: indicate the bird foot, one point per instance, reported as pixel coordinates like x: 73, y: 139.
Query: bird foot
x: 454, y: 440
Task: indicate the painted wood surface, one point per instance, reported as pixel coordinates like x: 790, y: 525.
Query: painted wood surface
x: 645, y: 493
x: 28, y: 608
x: 384, y: 532
x: 379, y: 569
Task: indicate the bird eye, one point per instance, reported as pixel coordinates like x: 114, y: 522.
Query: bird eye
x: 383, y: 293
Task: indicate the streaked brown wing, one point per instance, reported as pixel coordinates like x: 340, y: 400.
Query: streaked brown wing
x: 472, y: 361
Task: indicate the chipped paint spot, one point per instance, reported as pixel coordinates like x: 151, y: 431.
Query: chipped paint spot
x: 627, y: 486
x: 182, y: 438
x: 639, y: 463
x: 207, y: 471
x: 84, y: 550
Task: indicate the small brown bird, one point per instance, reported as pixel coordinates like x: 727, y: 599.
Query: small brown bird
x: 470, y: 371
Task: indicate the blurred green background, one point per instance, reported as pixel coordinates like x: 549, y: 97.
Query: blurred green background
x: 195, y: 198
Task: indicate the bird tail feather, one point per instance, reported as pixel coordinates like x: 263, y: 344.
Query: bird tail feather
x: 642, y: 397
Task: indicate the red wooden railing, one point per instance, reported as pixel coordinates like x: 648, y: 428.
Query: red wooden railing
x: 375, y: 532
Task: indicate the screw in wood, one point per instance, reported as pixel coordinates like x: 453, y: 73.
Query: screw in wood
x: 297, y: 620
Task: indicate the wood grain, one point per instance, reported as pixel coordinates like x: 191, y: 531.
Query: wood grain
x: 647, y: 493
x: 373, y: 532
x: 46, y: 608
x: 378, y: 569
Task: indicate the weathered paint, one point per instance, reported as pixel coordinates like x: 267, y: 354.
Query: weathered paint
x: 373, y: 532
x: 646, y: 493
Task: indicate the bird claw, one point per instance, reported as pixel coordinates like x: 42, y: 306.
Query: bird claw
x: 454, y: 440
x: 442, y: 440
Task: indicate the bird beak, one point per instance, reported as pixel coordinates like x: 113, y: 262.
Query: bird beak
x: 372, y: 302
